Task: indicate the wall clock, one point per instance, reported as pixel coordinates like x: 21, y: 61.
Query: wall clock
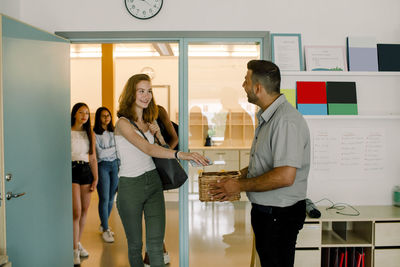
x: 149, y: 71
x: 143, y: 9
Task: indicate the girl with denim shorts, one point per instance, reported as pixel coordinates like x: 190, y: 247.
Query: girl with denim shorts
x: 84, y: 172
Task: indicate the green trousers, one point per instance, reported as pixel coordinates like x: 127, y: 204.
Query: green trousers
x: 137, y: 196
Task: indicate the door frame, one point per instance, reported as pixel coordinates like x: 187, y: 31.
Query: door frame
x: 183, y: 38
x: 3, y: 251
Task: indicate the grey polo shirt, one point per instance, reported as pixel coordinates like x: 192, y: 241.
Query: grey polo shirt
x: 281, y: 138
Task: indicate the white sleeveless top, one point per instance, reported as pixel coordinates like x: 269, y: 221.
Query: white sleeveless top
x: 79, y: 146
x: 134, y: 162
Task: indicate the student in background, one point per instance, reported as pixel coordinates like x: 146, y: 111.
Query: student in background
x: 169, y: 129
x: 276, y: 178
x: 108, y: 168
x: 84, y: 172
x: 140, y: 189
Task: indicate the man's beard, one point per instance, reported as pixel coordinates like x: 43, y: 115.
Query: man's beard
x: 252, y: 97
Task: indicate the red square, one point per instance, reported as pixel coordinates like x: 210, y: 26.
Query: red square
x: 311, y: 92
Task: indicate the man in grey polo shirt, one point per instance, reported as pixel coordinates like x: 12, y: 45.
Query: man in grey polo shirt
x: 276, y: 178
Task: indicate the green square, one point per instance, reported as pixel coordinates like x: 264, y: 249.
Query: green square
x: 342, y: 109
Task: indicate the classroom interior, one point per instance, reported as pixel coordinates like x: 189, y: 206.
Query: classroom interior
x: 220, y: 234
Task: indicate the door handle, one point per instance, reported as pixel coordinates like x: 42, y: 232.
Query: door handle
x: 10, y: 195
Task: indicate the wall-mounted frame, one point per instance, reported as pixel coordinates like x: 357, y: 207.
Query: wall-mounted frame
x: 325, y: 58
x: 161, y: 95
x: 287, y: 51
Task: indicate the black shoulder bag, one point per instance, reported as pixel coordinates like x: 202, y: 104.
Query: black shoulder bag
x: 170, y: 170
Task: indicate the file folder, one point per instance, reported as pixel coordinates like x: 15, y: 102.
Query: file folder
x: 389, y: 57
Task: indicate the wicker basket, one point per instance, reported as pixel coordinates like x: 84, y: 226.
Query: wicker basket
x: 205, y: 178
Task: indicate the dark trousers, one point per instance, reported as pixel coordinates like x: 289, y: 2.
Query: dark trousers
x: 276, y: 230
x: 137, y: 196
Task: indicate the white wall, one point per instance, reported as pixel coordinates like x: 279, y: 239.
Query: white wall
x: 10, y: 8
x: 86, y: 82
x: 319, y: 21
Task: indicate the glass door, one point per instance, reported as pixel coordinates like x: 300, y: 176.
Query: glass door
x: 221, y: 126
x: 158, y: 59
x: 210, y: 101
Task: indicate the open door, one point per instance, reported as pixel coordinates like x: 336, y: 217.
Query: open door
x: 35, y: 146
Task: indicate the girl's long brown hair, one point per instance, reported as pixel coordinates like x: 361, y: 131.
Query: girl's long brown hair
x: 128, y: 98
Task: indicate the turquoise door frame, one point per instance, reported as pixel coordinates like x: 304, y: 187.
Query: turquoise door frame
x: 184, y: 39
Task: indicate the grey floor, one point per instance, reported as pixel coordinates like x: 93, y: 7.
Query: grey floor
x: 219, y: 235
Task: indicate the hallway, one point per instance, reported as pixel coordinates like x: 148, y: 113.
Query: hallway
x: 220, y: 235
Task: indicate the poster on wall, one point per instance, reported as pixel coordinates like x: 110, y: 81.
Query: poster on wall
x: 350, y: 153
x: 286, y: 51
x: 325, y: 58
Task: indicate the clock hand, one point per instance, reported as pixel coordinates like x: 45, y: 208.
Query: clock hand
x: 146, y: 2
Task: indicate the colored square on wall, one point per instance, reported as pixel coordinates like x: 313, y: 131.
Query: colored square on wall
x: 312, y: 109
x: 342, y: 109
x: 290, y: 95
x: 341, y: 92
x: 311, y: 92
x: 389, y: 57
x: 362, y: 53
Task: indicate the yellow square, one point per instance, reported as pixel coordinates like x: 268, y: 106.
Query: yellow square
x: 290, y: 95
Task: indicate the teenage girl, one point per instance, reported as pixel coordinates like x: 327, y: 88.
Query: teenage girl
x: 108, y: 168
x: 84, y: 172
x: 140, y: 189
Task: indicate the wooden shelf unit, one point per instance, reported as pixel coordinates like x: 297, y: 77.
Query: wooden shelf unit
x: 238, y: 129
x: 376, y: 230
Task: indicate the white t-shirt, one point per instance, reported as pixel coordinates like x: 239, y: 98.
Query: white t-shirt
x: 79, y: 146
x: 134, y: 162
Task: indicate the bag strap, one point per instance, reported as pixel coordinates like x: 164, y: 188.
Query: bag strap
x: 116, y: 150
x: 137, y: 127
x: 155, y: 137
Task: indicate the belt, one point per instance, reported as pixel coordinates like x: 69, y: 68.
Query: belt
x: 275, y: 210
x: 80, y: 162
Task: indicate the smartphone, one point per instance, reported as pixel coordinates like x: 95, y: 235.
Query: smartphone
x: 195, y: 164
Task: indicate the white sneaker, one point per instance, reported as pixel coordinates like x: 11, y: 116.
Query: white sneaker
x: 77, y: 259
x: 108, y: 236
x: 101, y: 230
x: 146, y: 265
x: 166, y: 258
x: 82, y: 251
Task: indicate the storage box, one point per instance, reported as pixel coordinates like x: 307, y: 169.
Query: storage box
x: 206, y: 178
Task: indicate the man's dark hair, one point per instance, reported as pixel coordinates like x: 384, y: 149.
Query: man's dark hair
x: 267, y: 74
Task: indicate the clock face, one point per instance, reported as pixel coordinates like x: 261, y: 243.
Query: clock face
x: 143, y: 9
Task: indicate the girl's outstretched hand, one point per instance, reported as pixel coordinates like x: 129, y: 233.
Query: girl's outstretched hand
x: 196, y: 157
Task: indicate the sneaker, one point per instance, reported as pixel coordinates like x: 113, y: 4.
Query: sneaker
x: 146, y: 265
x: 82, y: 251
x: 77, y: 259
x: 101, y: 230
x: 166, y: 258
x: 108, y: 236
